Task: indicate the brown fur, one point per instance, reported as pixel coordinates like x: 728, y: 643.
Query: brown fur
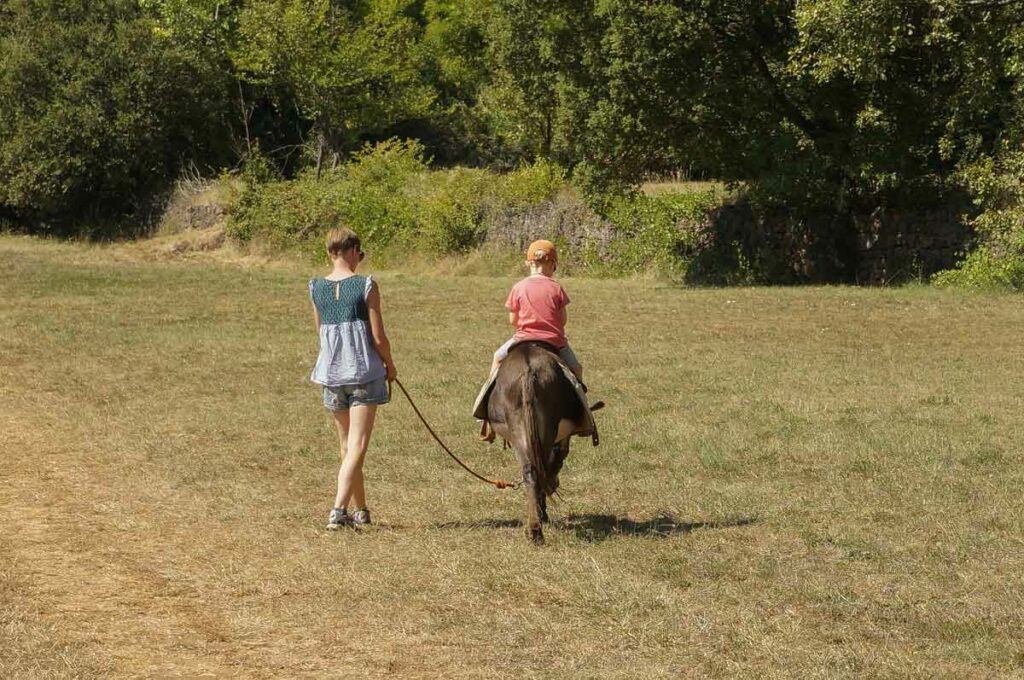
x: 531, y: 396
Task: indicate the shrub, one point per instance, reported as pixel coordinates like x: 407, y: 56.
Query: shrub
x: 450, y: 213
x: 998, y: 262
x: 286, y: 215
x: 373, y: 193
x: 984, y: 270
x: 369, y: 194
x: 655, y: 234
x: 400, y: 207
x: 100, y: 113
x: 531, y: 184
x: 998, y: 188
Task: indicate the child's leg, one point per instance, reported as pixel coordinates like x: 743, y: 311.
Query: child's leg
x: 350, y: 476
x: 501, y: 353
x: 569, y: 357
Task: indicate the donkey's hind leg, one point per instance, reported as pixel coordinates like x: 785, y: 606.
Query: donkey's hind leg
x: 534, y: 500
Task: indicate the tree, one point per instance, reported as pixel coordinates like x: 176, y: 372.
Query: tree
x: 828, y: 109
x: 101, y: 111
x: 353, y: 68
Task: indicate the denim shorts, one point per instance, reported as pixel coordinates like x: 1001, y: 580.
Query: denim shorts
x: 344, y: 397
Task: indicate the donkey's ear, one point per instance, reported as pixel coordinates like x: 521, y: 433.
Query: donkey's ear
x: 597, y: 406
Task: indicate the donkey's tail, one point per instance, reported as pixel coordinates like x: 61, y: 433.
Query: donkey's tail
x: 534, y: 445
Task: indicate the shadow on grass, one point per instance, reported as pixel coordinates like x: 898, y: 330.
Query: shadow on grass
x: 481, y: 524
x: 593, y: 528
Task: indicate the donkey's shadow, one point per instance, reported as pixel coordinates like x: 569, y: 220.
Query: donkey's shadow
x: 593, y: 527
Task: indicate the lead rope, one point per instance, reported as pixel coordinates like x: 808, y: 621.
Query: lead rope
x: 497, y: 483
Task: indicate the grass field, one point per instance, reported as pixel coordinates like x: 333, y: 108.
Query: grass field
x: 813, y: 482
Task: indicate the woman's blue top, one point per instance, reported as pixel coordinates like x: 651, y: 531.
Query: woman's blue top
x: 347, y: 353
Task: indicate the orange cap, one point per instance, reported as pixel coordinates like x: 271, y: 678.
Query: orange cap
x: 542, y: 250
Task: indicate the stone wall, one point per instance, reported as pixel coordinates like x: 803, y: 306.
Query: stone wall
x: 897, y: 246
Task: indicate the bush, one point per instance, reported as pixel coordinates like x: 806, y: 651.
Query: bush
x: 657, y: 233
x: 373, y: 192
x: 369, y: 194
x: 998, y: 262
x: 387, y: 194
x: 400, y: 207
x: 285, y: 216
x: 984, y: 270
x: 451, y: 212
x: 100, y: 113
x: 531, y: 184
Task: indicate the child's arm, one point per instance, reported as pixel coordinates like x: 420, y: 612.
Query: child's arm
x: 380, y: 338
x: 512, y: 305
x: 564, y: 303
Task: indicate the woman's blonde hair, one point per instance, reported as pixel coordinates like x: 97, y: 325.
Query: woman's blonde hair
x: 340, y: 239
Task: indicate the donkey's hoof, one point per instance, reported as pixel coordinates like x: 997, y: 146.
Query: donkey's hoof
x: 536, y: 536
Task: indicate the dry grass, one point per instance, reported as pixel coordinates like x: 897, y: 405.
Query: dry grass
x: 670, y: 186
x: 813, y: 482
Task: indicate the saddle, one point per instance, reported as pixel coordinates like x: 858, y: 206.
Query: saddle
x: 587, y: 429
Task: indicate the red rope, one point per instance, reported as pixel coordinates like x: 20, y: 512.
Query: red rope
x: 497, y: 483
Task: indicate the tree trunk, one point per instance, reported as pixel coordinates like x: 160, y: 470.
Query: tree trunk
x: 321, y: 145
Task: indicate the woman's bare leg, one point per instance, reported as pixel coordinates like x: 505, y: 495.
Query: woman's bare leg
x: 341, y: 420
x: 350, y: 476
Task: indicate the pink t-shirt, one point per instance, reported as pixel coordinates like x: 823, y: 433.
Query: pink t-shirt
x: 538, y: 302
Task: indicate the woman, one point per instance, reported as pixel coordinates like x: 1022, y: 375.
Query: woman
x: 354, y: 365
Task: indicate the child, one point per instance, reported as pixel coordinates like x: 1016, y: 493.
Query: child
x: 536, y: 307
x: 353, y: 364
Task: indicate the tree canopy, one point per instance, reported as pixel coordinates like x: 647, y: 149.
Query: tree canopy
x: 824, y: 106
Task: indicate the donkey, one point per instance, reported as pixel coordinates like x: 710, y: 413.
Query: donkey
x: 535, y: 408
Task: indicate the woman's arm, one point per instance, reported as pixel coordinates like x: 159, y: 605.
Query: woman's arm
x: 316, y: 316
x: 380, y: 338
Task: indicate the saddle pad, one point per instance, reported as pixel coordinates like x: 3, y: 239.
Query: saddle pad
x: 589, y: 429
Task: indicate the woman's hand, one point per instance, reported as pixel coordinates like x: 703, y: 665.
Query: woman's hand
x: 392, y: 372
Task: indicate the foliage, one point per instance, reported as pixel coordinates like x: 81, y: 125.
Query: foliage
x: 830, y: 108
x: 656, y: 233
x: 450, y: 210
x: 829, y: 111
x: 983, y: 269
x: 373, y: 193
x: 387, y: 194
x: 999, y: 261
x: 391, y: 198
x: 100, y: 112
x: 999, y: 190
x: 352, y: 70
x: 532, y: 183
x: 367, y: 194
